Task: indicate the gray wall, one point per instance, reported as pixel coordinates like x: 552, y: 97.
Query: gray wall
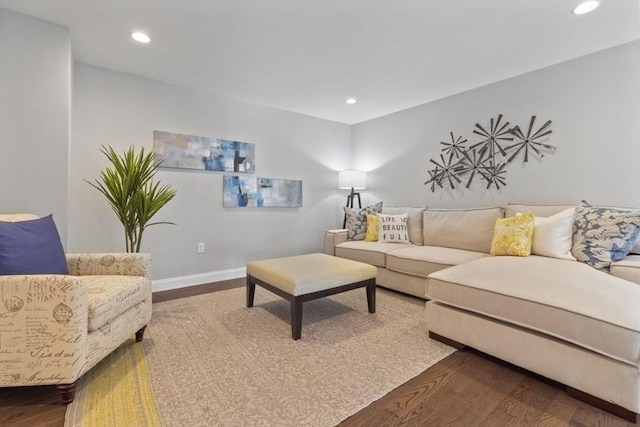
x: 593, y: 101
x: 35, y: 84
x: 121, y: 110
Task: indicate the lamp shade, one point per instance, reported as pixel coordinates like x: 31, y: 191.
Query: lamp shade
x: 352, y: 179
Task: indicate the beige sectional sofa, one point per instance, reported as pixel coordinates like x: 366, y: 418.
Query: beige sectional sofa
x: 560, y: 318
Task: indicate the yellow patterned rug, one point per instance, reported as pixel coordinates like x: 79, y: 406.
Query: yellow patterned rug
x: 116, y: 392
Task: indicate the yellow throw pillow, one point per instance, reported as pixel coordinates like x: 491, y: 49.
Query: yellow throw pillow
x: 513, y: 236
x: 372, y: 228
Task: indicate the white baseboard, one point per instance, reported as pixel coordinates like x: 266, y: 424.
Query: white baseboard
x: 197, y: 279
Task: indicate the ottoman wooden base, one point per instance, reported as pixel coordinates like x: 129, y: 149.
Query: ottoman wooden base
x: 318, y: 268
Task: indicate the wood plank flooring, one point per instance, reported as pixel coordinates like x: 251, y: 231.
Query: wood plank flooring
x: 467, y: 388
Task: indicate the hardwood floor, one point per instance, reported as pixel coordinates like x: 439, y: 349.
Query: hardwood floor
x: 466, y: 388
x: 471, y: 388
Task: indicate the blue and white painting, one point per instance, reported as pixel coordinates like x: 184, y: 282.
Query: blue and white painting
x: 204, y: 153
x: 242, y: 191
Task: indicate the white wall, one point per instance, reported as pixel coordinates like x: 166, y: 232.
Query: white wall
x: 593, y: 101
x: 119, y: 109
x: 35, y: 83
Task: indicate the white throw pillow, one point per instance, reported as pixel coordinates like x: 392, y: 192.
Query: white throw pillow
x: 553, y: 235
x: 393, y: 228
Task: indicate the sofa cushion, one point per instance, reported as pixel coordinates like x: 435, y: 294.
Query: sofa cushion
x: 110, y: 296
x: 565, y: 299
x: 628, y: 268
x: 373, y: 253
x: 414, y: 222
x: 539, y: 210
x: 17, y: 217
x: 469, y: 229
x: 424, y: 260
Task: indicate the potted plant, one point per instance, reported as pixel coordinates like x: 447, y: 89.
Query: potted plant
x: 130, y: 190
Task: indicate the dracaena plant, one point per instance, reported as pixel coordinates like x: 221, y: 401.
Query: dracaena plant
x: 131, y: 191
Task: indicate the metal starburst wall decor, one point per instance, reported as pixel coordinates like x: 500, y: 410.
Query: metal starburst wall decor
x: 488, y: 158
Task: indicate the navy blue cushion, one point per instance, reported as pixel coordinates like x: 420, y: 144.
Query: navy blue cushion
x: 31, y: 247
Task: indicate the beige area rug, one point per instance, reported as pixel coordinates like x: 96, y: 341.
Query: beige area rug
x: 214, y: 362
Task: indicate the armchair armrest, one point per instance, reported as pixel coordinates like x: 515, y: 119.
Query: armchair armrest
x: 333, y: 238
x: 43, y: 323
x: 117, y: 264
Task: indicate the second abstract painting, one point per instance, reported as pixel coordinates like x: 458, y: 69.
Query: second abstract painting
x: 247, y: 191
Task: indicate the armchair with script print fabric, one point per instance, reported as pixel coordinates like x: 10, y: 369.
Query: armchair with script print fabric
x: 55, y: 327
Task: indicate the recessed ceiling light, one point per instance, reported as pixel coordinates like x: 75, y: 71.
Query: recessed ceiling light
x: 140, y: 37
x: 351, y: 101
x: 585, y: 7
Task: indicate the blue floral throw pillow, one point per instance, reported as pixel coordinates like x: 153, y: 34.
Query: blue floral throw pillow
x: 357, y: 220
x: 603, y: 235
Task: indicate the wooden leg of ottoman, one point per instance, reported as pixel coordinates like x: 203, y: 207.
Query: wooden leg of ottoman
x: 371, y: 295
x: 251, y: 290
x: 296, y: 318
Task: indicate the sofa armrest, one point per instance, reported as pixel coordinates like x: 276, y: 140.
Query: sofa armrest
x: 116, y: 264
x: 333, y: 238
x: 627, y: 268
x: 43, y: 326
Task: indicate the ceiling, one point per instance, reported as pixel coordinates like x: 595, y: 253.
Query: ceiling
x: 309, y: 56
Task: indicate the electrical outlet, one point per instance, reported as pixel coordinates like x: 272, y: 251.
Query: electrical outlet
x: 200, y: 248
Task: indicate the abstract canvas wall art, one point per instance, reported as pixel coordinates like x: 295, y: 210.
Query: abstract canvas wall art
x: 204, y: 153
x: 245, y: 191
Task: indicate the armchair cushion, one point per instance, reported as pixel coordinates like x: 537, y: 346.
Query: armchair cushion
x: 31, y: 247
x: 110, y: 296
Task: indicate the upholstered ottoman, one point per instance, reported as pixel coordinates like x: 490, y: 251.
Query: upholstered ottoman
x: 307, y: 277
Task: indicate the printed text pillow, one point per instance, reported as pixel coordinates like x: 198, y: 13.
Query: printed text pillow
x: 393, y: 228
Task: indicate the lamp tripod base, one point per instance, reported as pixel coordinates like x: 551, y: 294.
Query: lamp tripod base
x: 350, y: 198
